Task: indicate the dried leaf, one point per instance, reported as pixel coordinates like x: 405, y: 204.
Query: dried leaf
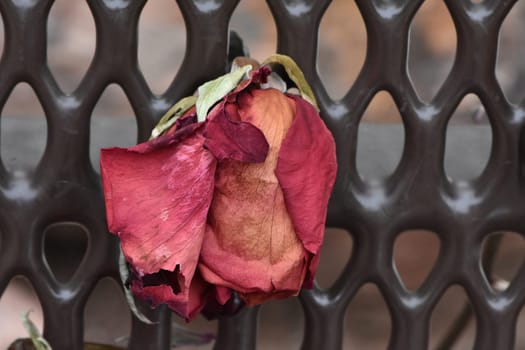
x: 171, y: 116
x: 214, y: 90
x: 295, y: 74
x: 38, y: 341
x: 242, y: 61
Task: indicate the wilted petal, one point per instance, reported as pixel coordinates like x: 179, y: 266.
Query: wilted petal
x: 183, y: 128
x: 187, y: 303
x: 228, y: 137
x: 306, y: 170
x: 157, y: 199
x: 251, y: 245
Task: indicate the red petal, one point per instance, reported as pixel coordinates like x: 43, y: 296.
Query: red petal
x: 306, y: 170
x: 251, y: 245
x: 157, y: 200
x: 229, y: 138
x: 222, y: 294
x: 186, y: 304
x: 181, y: 130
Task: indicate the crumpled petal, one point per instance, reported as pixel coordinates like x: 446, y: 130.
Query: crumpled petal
x: 157, y: 197
x: 187, y: 303
x: 227, y: 137
x: 306, y: 170
x: 251, y: 245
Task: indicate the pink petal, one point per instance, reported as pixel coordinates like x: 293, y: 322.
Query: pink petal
x: 251, y: 245
x: 222, y: 294
x: 157, y: 199
x: 227, y: 137
x: 187, y: 303
x: 306, y: 170
x: 181, y: 130
x: 230, y: 137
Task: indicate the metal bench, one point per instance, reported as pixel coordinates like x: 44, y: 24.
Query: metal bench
x: 64, y: 187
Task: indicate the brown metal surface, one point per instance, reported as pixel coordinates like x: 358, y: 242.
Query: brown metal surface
x: 418, y: 195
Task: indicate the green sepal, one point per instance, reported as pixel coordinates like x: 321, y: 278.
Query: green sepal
x: 39, y: 343
x: 171, y: 116
x: 295, y: 74
x: 212, y: 91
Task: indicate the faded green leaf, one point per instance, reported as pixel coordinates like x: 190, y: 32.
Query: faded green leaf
x: 171, y: 116
x: 214, y: 90
x: 39, y: 343
x: 295, y: 74
x: 124, y: 276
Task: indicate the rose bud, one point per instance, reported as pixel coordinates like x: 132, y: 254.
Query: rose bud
x: 233, y: 202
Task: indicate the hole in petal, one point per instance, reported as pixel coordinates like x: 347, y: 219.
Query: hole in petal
x: 162, y: 43
x: 452, y: 305
x: 65, y: 245
x: 368, y: 322
x: 335, y: 254
x: 71, y: 41
x: 415, y: 254
x: 503, y: 253
x: 432, y: 44
x: 253, y: 21
x: 281, y: 325
x: 510, y: 71
x: 24, y: 129
x: 195, y: 333
x: 342, y: 47
x: 18, y: 298
x: 380, y: 146
x: 468, y: 147
x: 107, y: 319
x: 112, y: 123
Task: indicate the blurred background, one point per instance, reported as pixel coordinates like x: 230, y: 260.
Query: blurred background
x: 342, y: 49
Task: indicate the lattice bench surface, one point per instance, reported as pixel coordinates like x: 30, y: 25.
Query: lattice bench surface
x: 64, y: 187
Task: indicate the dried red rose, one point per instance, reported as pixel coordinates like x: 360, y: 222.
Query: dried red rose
x: 235, y: 203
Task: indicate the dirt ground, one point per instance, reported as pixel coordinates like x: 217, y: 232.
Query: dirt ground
x: 342, y: 49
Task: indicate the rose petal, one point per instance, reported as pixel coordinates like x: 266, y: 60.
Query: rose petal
x: 188, y: 118
x: 229, y: 138
x: 157, y: 200
x: 251, y: 245
x: 187, y: 303
x: 306, y: 170
x: 183, y: 128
